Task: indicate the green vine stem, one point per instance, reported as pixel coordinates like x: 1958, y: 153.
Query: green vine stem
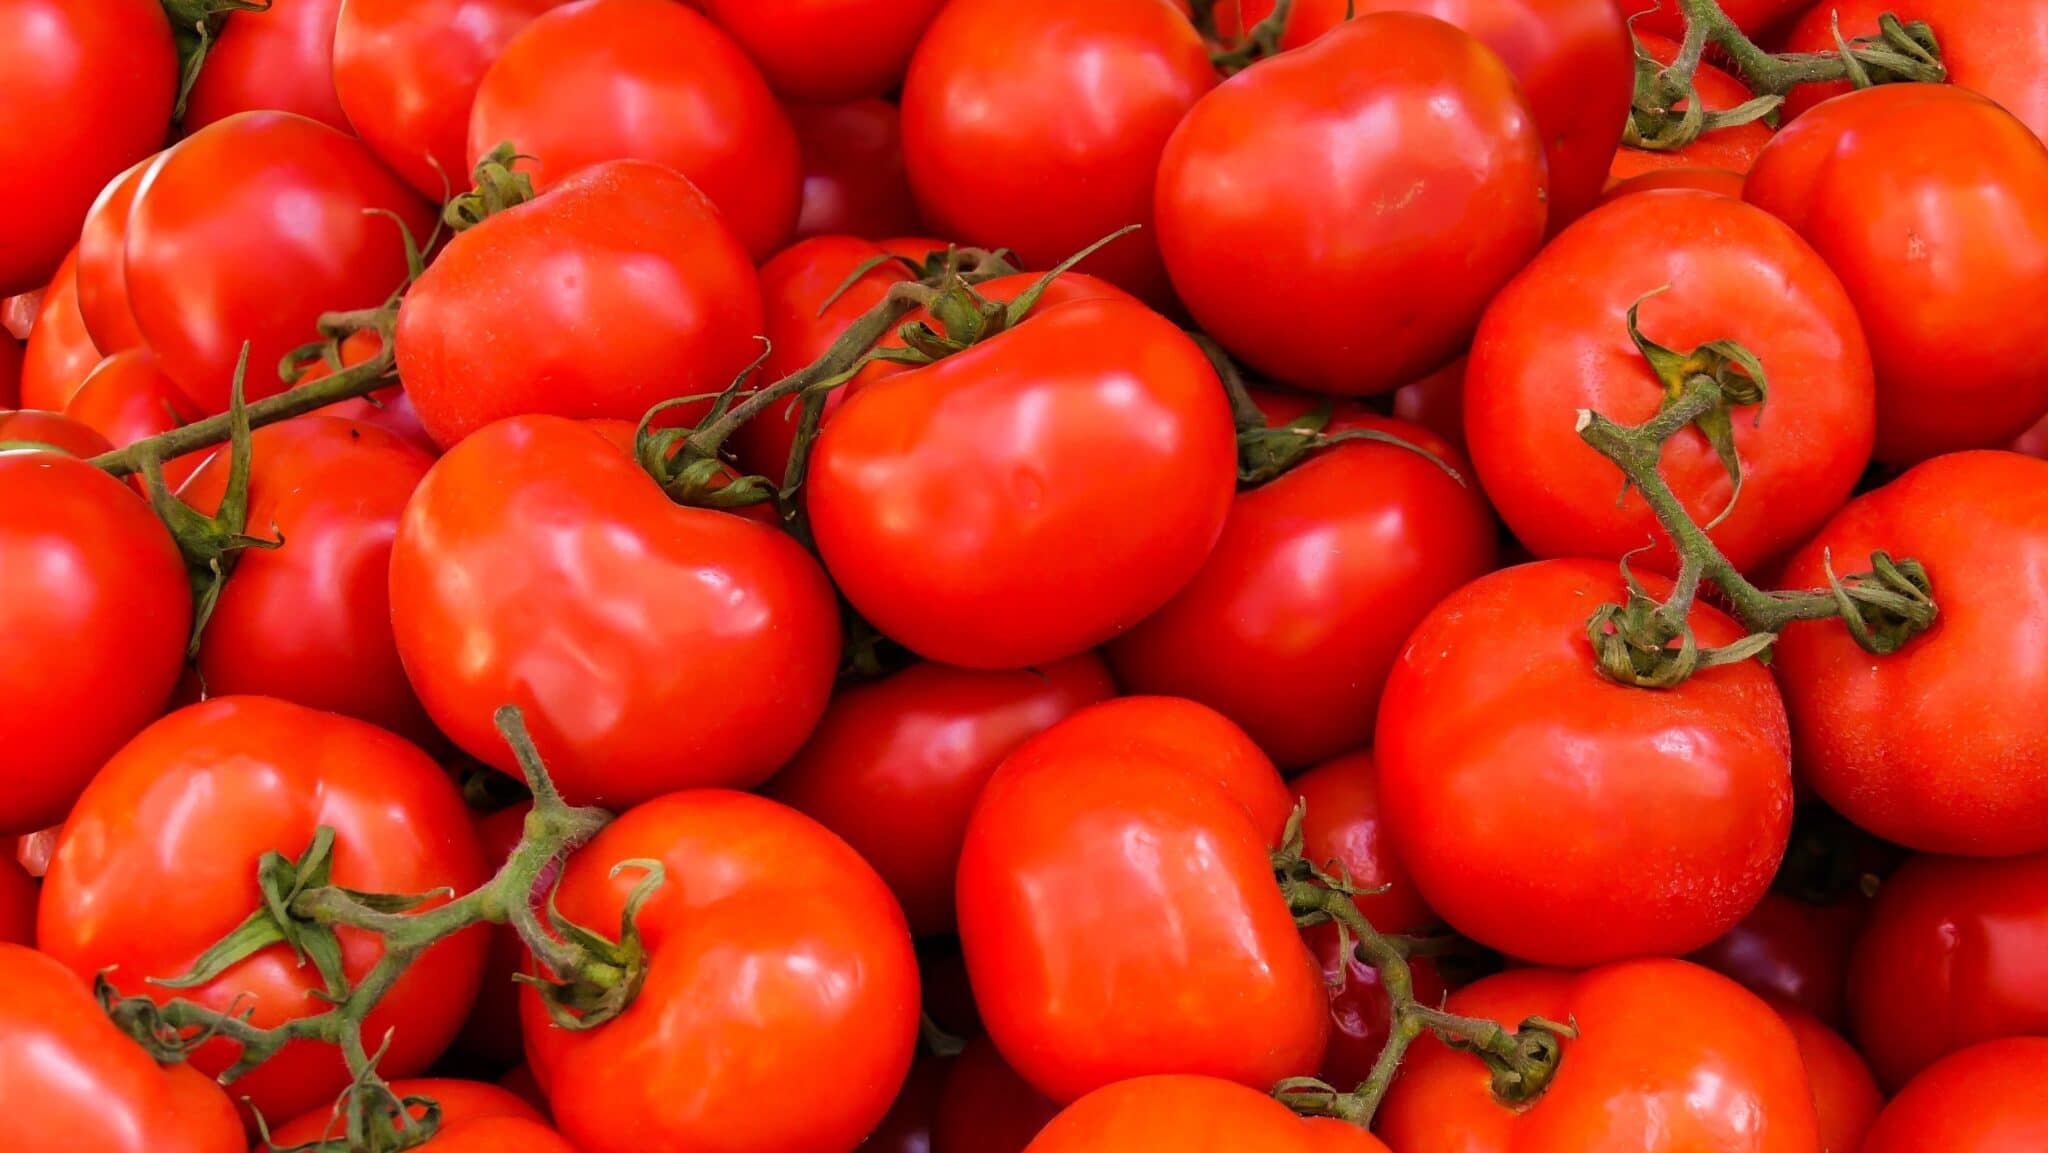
x: 195, y: 25
x: 1260, y: 40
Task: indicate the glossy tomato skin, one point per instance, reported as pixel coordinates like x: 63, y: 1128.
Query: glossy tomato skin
x: 1943, y: 745
x: 896, y: 765
x: 1793, y: 952
x: 1734, y: 148
x: 676, y: 302
x: 1846, y: 1098
x: 1264, y: 183
x: 158, y: 862
x: 1008, y: 98
x: 1931, y: 204
x: 35, y: 430
x: 647, y: 80
x: 60, y: 352
x: 700, y: 649
x: 279, y: 59
x: 986, y: 1106
x: 770, y: 937
x: 1171, y: 1114
x: 1982, y: 1100
x: 1343, y: 825
x: 1005, y: 475
x: 250, y: 229
x: 94, y: 585
x: 87, y: 92
x: 827, y: 49
x: 127, y: 399
x: 474, y: 1118
x: 1996, y: 47
x: 103, y: 264
x: 855, y: 181
x: 1659, y: 818
x: 1670, y: 1057
x: 1556, y: 341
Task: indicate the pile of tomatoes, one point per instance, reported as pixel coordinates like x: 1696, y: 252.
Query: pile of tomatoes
x: 676, y: 575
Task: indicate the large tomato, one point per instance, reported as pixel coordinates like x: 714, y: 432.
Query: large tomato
x: 127, y: 399
x: 1792, y: 951
x: 1997, y: 47
x: 1308, y: 234
x: 474, y: 1118
x: 769, y: 938
x: 646, y: 80
x: 1560, y: 817
x: 1931, y: 203
x: 1733, y: 148
x: 827, y: 49
x: 60, y: 352
x: 1985, y: 1099
x: 1846, y: 1098
x: 1942, y: 746
x: 986, y: 1106
x: 1184, y: 1114
x: 35, y: 430
x: 279, y: 58
x: 650, y: 298
x: 248, y: 231
x: 102, y: 264
x: 158, y: 862
x: 855, y: 181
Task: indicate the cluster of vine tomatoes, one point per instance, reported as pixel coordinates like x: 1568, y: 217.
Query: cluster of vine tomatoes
x: 1189, y: 699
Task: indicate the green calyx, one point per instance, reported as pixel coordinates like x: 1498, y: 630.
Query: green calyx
x: 496, y: 186
x: 1728, y: 375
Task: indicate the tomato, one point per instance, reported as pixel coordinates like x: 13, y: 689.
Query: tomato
x: 699, y: 648
x: 17, y: 903
x: 1291, y: 627
x: 1669, y: 1056
x: 75, y: 1082
x: 1985, y: 1099
x: 1720, y: 180
x: 1794, y: 952
x: 60, y: 353
x: 1437, y: 403
x: 1931, y: 204
x: 87, y: 92
x: 1563, y: 818
x: 158, y: 862
x: 854, y: 176
x: 987, y: 1107
x: 491, y: 1035
x: 646, y: 80
x: 388, y: 408
x: 248, y: 231
x: 10, y: 372
x: 127, y: 399
x: 279, y: 58
x: 1942, y: 746
x: 1996, y: 47
x: 474, y: 1118
x: 520, y: 1082
x: 907, y: 1127
x: 102, y: 264
x: 18, y: 312
x: 896, y: 765
x: 827, y: 49
x: 1330, y: 1135
x: 1755, y: 17
x: 1007, y: 99
x: 770, y: 937
x: 1263, y: 186
x: 34, y: 429
x: 406, y: 72
x: 1556, y: 341
x: 1845, y: 1096
x: 1734, y: 148
x: 1183, y: 1114
x: 2034, y: 441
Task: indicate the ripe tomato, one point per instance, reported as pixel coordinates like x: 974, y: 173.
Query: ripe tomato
x: 10, y: 372
x: 654, y: 299
x: 475, y: 1118
x: 279, y: 58
x: 60, y: 352
x: 1669, y: 1056
x: 986, y: 1107
x: 907, y: 1127
x: 645, y: 80
x: 854, y: 177
x: 1437, y: 403
x: 1556, y: 341
x: 1359, y: 1010
x: 249, y: 230
x: 1263, y: 186
x: 75, y: 1082
x: 1734, y: 148
x: 102, y: 264
x: 1931, y: 204
x: 1793, y: 952
x: 1755, y: 17
x: 1845, y: 1096
x: 127, y: 399
x: 1996, y: 47
x: 158, y: 862
x: 1009, y: 98
x: 770, y: 937
x: 699, y: 649
x: 85, y: 91
x: 1719, y: 180
x: 388, y: 408
x: 896, y: 765
x: 406, y: 72
x: 1985, y: 1099
x: 1658, y: 818
x: 827, y: 49
x: 1291, y: 626
x: 1182, y: 1114
x: 34, y: 430
x: 1942, y: 746
x: 491, y: 1035
x: 17, y: 903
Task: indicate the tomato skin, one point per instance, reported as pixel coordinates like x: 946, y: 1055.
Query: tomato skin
x: 1344, y: 825
x: 1003, y: 475
x: 827, y: 49
x: 1996, y: 47
x: 87, y: 92
x: 1944, y: 176
x: 1734, y: 148
x: 10, y: 372
x: 1175, y: 1114
x: 473, y: 1116
x: 1720, y: 180
x: 479, y: 565
x: 1985, y: 1099
x: 1437, y: 403
x: 279, y: 59
x: 1665, y: 813
x: 986, y: 1107
x: 17, y: 903
x: 1942, y: 746
x: 60, y: 352
x: 1359, y: 1010
x: 1793, y: 952
x: 896, y: 765
x: 1556, y: 341
x: 250, y: 229
x: 102, y: 264
x: 388, y: 408
x: 406, y: 72
x: 647, y: 80
x: 855, y: 181
x: 1846, y: 1098
x: 158, y: 862
x: 491, y: 1035
x: 1263, y: 183
x: 771, y: 938
x: 127, y: 399
x: 634, y: 244
x: 53, y: 429
x: 1666, y: 18
x: 1652, y: 1034
x: 907, y: 1127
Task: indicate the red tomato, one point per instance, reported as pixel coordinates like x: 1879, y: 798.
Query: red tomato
x: 1996, y: 47
x: 1009, y: 100
x: 854, y: 176
x: 1556, y: 341
x: 645, y: 80
x: 127, y: 399
x: 17, y: 903
x: 1719, y: 180
x: 1264, y: 184
x: 1329, y: 1135
x: 158, y: 862
x: 475, y: 1118
x: 1560, y: 817
x: 1359, y: 1010
x: 85, y: 91
x: 907, y: 1128
x: 92, y: 584
x: 1845, y: 1096
x: 1793, y: 952
x: 1985, y: 1099
x: 1292, y: 625
x: 769, y: 938
x: 10, y: 372
x: 279, y: 58
x: 987, y: 1107
x: 699, y: 647
x: 75, y: 1082
x: 102, y: 263
x: 1437, y: 403
x: 896, y: 765
x: 1343, y: 826
x: 60, y: 351
x: 388, y: 408
x: 491, y: 1035
x: 1181, y: 1114
x: 248, y: 231
x: 1942, y: 746
x: 1669, y: 1056
x: 1931, y: 204
x: 2034, y: 441
x: 1168, y: 948
x: 406, y: 72
x: 827, y: 49
x: 1755, y: 17
x: 1734, y: 148
x: 34, y: 429
x: 634, y: 245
